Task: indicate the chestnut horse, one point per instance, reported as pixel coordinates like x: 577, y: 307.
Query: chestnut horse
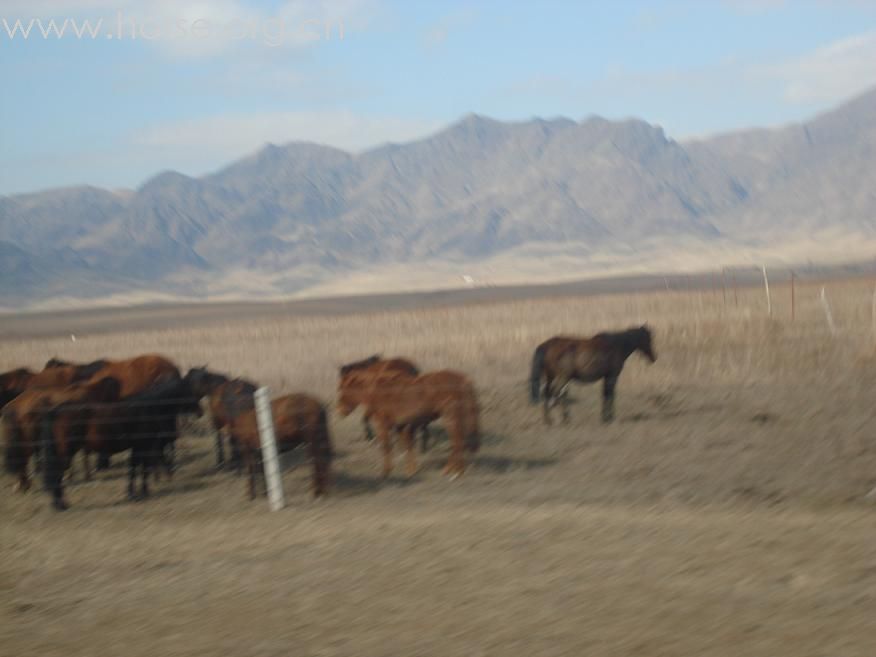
x: 561, y: 360
x: 398, y: 401
x: 22, y: 416
x: 223, y: 395
x: 376, y: 367
x: 298, y: 419
x: 143, y: 423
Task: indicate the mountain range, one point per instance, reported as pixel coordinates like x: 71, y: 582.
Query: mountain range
x: 550, y: 198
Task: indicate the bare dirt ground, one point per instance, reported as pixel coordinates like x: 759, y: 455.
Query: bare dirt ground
x: 723, y: 513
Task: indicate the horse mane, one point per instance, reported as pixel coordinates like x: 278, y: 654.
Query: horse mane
x: 244, y: 385
x: 359, y: 364
x: 633, y: 337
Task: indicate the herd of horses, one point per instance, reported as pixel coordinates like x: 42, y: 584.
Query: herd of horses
x: 107, y: 407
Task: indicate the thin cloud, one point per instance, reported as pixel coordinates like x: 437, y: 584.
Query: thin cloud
x: 436, y: 35
x: 828, y: 74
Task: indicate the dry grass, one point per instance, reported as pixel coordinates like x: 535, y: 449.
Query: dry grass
x: 722, y: 514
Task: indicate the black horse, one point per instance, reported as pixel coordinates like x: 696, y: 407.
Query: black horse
x: 143, y: 423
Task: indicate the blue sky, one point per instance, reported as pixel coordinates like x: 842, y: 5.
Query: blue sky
x: 112, y: 112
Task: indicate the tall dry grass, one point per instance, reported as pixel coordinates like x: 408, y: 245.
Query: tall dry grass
x: 699, y: 339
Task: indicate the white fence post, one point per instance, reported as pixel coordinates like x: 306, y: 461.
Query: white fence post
x: 270, y: 459
x: 766, y: 284
x: 827, y: 312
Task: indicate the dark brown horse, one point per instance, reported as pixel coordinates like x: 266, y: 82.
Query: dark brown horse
x: 375, y: 366
x: 83, y: 370
x: 13, y: 383
x: 405, y: 403
x: 136, y: 375
x: 561, y: 360
x: 298, y: 420
x: 224, y: 397
x: 143, y: 423
x: 22, y: 418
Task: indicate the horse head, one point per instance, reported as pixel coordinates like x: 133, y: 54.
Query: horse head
x: 644, y: 342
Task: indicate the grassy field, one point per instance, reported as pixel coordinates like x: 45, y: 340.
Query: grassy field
x: 723, y: 513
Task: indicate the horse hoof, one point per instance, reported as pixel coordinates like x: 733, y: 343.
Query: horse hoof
x: 60, y: 505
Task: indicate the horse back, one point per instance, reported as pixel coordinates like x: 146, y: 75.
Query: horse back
x: 138, y: 374
x: 16, y: 379
x: 296, y: 418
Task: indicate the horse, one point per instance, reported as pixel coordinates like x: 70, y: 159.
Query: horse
x: 22, y: 416
x: 377, y: 366
x: 143, y: 423
x: 223, y: 394
x: 401, y: 402
x: 561, y: 360
x: 298, y: 419
x: 137, y: 375
x: 13, y: 383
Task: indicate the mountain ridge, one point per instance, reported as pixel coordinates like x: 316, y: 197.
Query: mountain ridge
x: 301, y: 214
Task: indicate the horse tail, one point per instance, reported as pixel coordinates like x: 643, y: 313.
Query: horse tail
x: 535, y: 374
x: 15, y: 455
x: 321, y: 453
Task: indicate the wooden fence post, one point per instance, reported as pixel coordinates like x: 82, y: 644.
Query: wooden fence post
x: 874, y: 313
x: 827, y: 312
x: 793, y: 304
x: 766, y: 284
x: 270, y: 458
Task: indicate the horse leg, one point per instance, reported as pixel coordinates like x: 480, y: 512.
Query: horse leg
x: 23, y: 483
x: 383, y: 430
x: 407, y: 436
x: 220, y: 451
x: 548, y: 392
x: 247, y: 457
x: 455, y: 463
x: 424, y: 439
x: 86, y: 463
x: 369, y: 432
x: 608, y: 398
x: 151, y: 455
x: 564, y: 401
x: 236, y: 462
x: 132, y: 469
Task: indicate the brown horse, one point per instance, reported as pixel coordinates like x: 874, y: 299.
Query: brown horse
x: 136, y: 375
x: 405, y: 403
x: 376, y: 367
x: 561, y: 360
x: 21, y: 418
x: 13, y: 383
x: 224, y: 396
x: 298, y: 419
x: 143, y: 423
